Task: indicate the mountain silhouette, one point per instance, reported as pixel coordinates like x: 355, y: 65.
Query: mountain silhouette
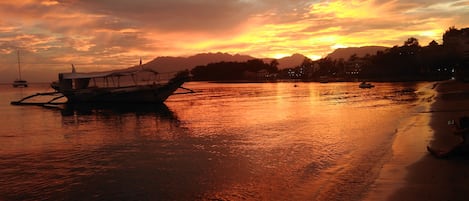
x: 173, y: 64
x: 288, y: 62
x: 345, y: 53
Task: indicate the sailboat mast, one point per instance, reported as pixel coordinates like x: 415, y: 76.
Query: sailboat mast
x: 19, y: 65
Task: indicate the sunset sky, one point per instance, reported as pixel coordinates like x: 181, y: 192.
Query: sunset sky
x: 104, y: 34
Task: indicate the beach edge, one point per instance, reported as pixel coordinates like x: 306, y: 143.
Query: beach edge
x: 412, y: 173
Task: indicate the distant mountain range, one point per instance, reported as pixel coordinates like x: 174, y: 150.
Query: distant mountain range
x: 345, y: 53
x: 288, y: 62
x: 172, y: 64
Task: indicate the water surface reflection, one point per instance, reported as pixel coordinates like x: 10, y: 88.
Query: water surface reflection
x: 106, y: 152
x: 269, y: 141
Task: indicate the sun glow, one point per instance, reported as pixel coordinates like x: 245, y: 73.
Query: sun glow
x: 280, y: 55
x: 314, y: 57
x: 337, y: 46
x: 431, y: 33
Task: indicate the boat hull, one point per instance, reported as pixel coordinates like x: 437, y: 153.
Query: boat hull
x: 366, y: 86
x: 75, y: 87
x: 134, y: 94
x: 20, y: 83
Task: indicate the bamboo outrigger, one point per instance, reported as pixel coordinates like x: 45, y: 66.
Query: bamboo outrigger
x: 50, y: 102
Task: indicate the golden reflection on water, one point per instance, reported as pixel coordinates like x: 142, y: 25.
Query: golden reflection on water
x: 269, y: 141
x: 283, y: 130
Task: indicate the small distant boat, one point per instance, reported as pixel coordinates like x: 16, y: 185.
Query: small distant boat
x: 19, y: 82
x: 323, y: 79
x: 365, y: 85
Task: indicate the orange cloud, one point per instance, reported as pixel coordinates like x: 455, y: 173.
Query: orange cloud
x: 49, y: 3
x: 344, y: 9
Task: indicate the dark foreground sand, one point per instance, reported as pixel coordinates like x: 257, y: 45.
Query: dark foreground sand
x: 412, y: 173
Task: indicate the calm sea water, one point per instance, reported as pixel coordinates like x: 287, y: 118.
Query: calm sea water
x: 269, y: 141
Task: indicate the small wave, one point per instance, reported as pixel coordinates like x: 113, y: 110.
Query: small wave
x: 8, y: 136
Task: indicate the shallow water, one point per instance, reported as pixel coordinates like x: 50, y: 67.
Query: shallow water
x: 269, y: 141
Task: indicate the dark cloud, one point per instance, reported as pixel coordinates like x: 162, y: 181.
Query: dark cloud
x: 189, y: 15
x: 170, y: 15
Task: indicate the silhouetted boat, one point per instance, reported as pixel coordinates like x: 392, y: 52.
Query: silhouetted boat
x: 114, y: 87
x: 19, y: 82
x: 365, y: 85
x: 117, y: 86
x: 323, y: 79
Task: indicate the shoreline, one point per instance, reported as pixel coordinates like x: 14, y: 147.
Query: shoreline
x: 413, y: 174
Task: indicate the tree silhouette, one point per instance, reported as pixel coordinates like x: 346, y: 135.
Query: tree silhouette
x: 230, y: 71
x: 412, y: 42
x: 274, y: 63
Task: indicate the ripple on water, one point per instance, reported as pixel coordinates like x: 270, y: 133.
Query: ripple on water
x: 267, y: 141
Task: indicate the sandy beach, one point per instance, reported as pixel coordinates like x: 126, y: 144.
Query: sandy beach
x: 412, y: 173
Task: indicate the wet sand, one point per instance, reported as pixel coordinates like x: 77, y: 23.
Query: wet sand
x: 413, y: 174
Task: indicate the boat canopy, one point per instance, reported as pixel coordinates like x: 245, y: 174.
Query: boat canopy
x: 126, y: 72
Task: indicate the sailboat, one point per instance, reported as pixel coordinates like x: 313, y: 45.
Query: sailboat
x: 19, y: 82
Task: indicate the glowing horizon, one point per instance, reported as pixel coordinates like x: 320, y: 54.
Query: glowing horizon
x: 118, y: 33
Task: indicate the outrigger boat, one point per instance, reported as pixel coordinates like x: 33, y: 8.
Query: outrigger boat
x: 116, y: 87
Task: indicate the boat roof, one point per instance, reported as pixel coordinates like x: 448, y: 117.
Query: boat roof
x: 125, y: 72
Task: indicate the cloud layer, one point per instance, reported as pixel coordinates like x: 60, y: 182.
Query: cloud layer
x: 115, y: 33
